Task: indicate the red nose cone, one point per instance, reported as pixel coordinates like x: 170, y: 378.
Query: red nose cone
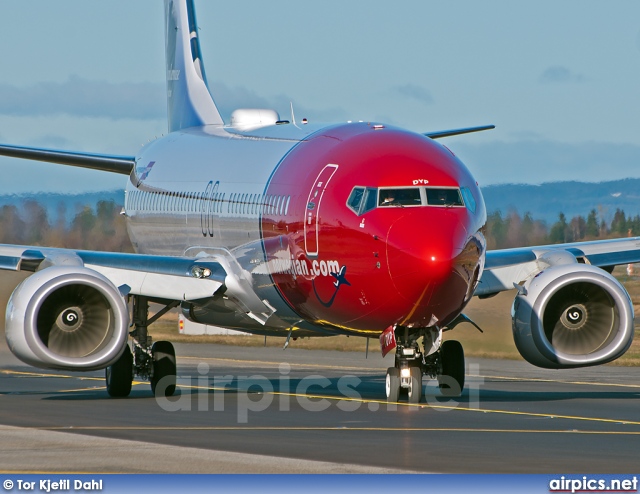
x: 423, y: 247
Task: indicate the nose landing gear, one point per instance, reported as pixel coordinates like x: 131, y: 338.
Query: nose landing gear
x: 441, y: 361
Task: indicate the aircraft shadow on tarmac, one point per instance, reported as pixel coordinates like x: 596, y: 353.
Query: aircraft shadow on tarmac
x: 370, y: 388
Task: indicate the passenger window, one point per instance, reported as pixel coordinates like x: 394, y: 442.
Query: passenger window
x: 469, y: 200
x: 400, y: 197
x: 443, y: 197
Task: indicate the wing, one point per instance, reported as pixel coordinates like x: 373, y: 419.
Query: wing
x: 509, y: 267
x: 161, y: 278
x: 454, y: 132
x: 152, y: 276
x: 104, y: 162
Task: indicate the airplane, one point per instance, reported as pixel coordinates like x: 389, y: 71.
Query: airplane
x: 289, y: 228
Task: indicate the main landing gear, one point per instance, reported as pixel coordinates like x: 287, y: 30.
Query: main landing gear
x: 155, y: 362
x: 441, y: 361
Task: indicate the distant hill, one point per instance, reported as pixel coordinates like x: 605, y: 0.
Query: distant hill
x: 72, y: 203
x: 545, y: 201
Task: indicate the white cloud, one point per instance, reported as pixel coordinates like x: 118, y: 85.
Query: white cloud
x: 414, y: 92
x: 86, y: 98
x: 560, y: 75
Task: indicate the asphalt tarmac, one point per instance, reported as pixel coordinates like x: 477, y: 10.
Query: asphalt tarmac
x: 267, y: 410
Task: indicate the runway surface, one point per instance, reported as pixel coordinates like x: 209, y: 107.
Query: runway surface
x: 317, y: 411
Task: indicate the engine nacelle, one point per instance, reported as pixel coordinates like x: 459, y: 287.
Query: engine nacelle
x: 69, y: 318
x: 572, y: 315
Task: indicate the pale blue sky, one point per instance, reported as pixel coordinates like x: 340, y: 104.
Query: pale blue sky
x: 560, y: 80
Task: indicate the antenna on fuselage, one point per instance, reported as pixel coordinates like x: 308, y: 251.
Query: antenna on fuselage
x: 293, y: 117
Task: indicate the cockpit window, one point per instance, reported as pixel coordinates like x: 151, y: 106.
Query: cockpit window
x: 400, y: 197
x: 444, y: 197
x: 362, y: 199
x: 355, y: 199
x: 370, y: 200
x: 469, y: 200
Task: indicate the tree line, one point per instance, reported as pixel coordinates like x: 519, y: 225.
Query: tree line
x: 102, y: 228
x: 511, y: 230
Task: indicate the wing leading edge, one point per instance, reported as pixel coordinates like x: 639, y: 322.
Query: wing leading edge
x: 508, y: 267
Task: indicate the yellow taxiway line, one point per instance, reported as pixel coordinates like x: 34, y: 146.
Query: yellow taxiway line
x: 456, y: 407
x: 369, y: 370
x: 223, y: 428
x: 558, y: 381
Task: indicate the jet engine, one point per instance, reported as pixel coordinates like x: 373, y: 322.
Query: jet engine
x: 572, y: 315
x: 70, y: 318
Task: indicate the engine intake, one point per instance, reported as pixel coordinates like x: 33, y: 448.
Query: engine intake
x: 67, y: 318
x: 573, y: 315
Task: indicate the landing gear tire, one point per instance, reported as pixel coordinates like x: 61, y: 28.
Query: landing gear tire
x: 119, y: 376
x: 392, y: 384
x: 451, y: 381
x: 163, y: 381
x: 415, y: 385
